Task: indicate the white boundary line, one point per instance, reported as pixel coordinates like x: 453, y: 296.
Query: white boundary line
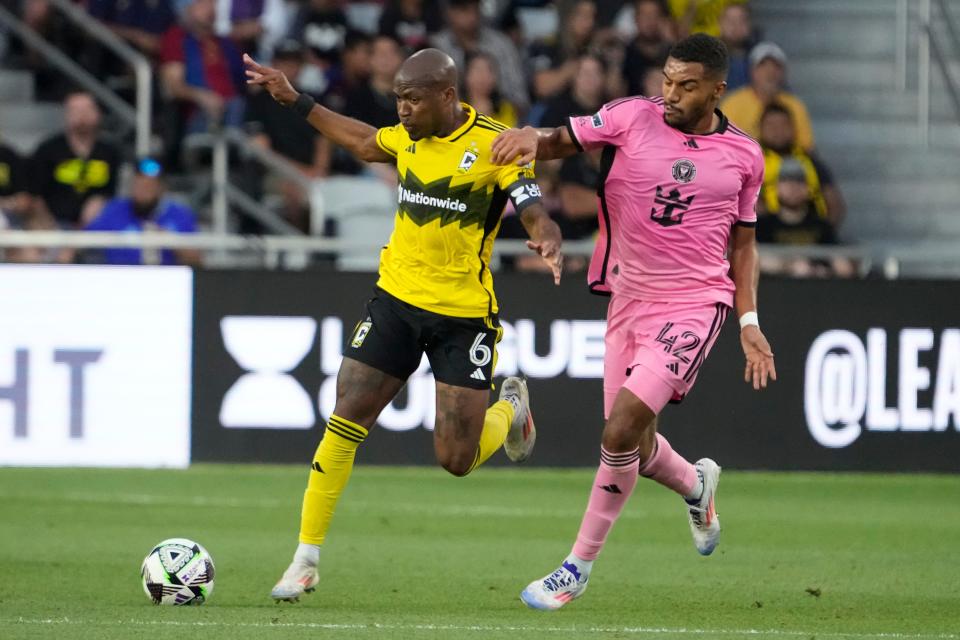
x: 639, y: 631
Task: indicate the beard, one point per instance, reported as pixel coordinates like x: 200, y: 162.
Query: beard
x: 687, y: 121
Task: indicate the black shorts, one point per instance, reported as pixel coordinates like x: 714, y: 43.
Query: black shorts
x: 393, y: 336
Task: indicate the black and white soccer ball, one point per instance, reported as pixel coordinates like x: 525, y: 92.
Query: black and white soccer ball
x: 178, y: 571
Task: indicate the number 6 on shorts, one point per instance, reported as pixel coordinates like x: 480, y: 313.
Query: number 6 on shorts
x: 480, y: 353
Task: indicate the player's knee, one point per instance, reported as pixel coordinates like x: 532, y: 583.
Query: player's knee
x: 456, y: 463
x: 625, y: 432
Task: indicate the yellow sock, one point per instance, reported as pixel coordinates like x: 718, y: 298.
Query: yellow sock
x: 332, y: 464
x: 495, y: 428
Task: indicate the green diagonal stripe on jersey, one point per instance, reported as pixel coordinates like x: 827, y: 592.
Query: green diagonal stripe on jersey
x: 424, y: 203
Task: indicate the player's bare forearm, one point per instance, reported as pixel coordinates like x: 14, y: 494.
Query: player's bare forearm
x: 523, y: 146
x: 359, y: 138
x: 545, y: 237
x: 539, y: 226
x: 744, y: 269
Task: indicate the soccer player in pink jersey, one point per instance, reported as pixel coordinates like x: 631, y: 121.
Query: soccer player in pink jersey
x: 676, y: 250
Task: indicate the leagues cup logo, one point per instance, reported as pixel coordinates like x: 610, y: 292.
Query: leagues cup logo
x: 684, y: 171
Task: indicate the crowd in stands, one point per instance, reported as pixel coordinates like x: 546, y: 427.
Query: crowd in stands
x: 521, y: 61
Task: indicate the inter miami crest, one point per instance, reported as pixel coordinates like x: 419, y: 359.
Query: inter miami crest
x: 684, y: 171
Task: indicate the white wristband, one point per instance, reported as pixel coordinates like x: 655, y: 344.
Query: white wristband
x: 750, y: 317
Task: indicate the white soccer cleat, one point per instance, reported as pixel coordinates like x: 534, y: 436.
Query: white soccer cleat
x: 704, y: 522
x: 522, y: 434
x: 297, y: 580
x: 555, y: 590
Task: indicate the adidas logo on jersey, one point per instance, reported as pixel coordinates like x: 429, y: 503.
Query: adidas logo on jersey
x: 412, y: 148
x: 478, y: 374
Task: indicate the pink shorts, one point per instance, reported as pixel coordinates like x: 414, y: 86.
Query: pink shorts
x: 655, y: 349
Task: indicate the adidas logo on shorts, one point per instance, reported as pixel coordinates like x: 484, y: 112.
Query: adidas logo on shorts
x: 478, y: 375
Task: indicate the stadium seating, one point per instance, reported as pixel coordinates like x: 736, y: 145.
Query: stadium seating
x: 842, y: 61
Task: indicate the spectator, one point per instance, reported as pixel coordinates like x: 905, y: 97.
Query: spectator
x: 202, y: 70
x: 779, y: 141
x: 276, y: 20
x: 411, y: 22
x: 321, y: 26
x: 736, y: 31
x: 350, y: 73
x: 699, y: 16
x: 242, y: 22
x: 273, y: 127
x: 480, y: 89
x: 43, y: 18
x: 147, y: 210
x: 555, y: 64
x: 768, y: 68
x: 586, y: 95
x: 139, y: 22
x: 652, y: 82
x: 466, y: 32
x: 649, y: 47
x: 15, y: 198
x: 73, y: 173
x: 34, y: 219
x: 373, y: 101
x: 797, y: 222
x: 579, y: 180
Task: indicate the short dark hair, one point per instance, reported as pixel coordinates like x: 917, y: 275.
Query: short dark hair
x: 354, y: 39
x: 775, y: 107
x: 596, y: 55
x: 661, y: 4
x: 707, y: 50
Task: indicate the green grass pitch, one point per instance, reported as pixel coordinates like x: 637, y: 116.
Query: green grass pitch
x: 414, y: 553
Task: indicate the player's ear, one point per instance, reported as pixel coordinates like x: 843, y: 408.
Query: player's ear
x: 720, y: 89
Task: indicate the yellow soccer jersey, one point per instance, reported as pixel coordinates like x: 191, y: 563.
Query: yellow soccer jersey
x: 449, y: 201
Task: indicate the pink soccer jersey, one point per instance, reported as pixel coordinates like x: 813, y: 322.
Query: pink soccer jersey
x: 668, y: 202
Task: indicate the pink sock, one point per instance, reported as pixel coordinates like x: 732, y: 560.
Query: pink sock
x: 616, y: 478
x: 669, y: 468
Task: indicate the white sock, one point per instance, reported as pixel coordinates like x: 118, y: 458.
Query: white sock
x: 308, y: 554
x: 583, y: 566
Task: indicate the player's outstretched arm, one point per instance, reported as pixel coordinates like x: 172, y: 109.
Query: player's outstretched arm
x: 357, y: 137
x: 745, y: 270
x: 545, y: 238
x: 523, y: 146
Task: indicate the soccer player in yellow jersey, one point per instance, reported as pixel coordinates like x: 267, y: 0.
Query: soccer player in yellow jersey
x: 435, y: 292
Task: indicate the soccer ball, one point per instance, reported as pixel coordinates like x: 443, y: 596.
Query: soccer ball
x: 177, y: 571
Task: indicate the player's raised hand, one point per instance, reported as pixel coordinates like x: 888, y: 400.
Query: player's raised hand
x: 549, y: 250
x: 546, y: 241
x: 273, y: 80
x: 515, y: 145
x: 760, y: 367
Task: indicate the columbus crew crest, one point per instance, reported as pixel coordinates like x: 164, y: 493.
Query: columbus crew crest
x: 470, y: 155
x: 684, y: 171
